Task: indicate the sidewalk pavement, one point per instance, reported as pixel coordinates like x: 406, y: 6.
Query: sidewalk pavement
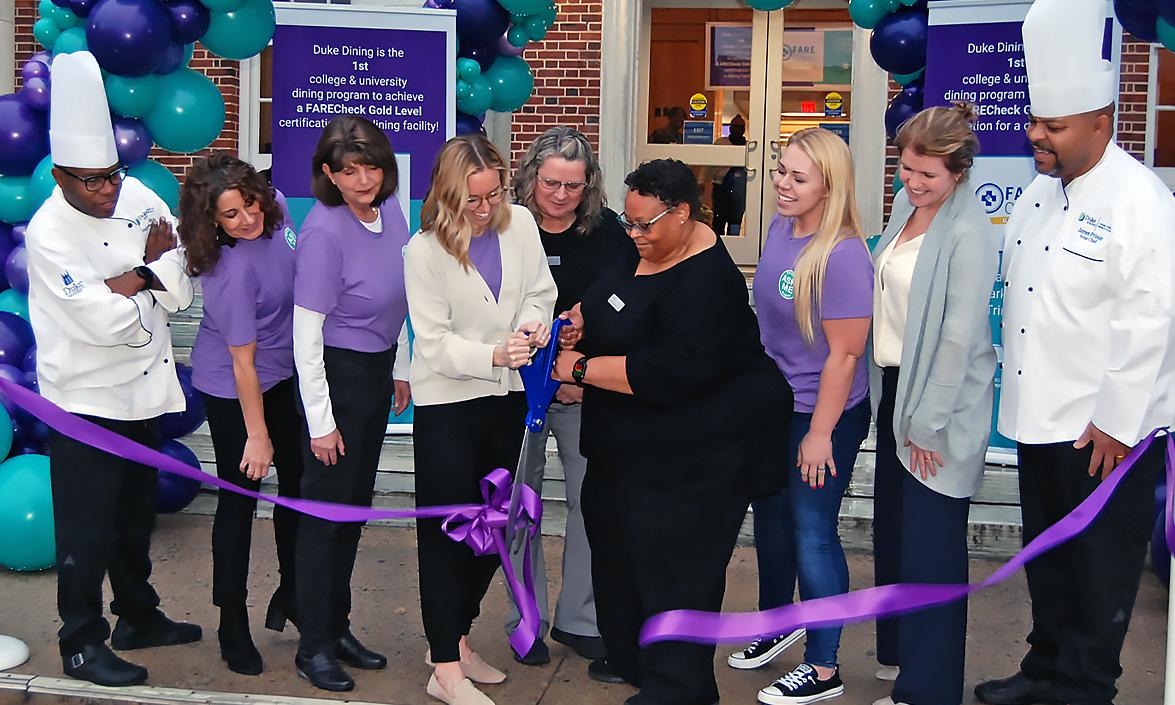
x: 386, y: 617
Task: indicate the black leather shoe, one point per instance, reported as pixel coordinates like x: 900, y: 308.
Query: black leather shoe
x: 158, y: 630
x: 96, y: 663
x: 281, y: 610
x: 589, y: 647
x: 1018, y: 689
x: 356, y: 655
x: 600, y: 670
x: 539, y: 655
x: 236, y: 644
x: 324, y: 672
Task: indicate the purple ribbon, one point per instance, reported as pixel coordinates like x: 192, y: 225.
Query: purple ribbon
x: 893, y: 600
x: 479, y: 526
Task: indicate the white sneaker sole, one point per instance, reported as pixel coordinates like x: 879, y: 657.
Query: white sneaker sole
x: 736, y: 659
x: 770, y: 699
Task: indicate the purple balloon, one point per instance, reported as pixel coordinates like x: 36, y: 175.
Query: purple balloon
x: 468, y: 124
x: 7, y: 244
x: 42, y: 57
x: 29, y: 431
x: 182, y: 423
x: 24, y: 141
x: 898, y: 43
x: 189, y: 20
x: 480, y: 22
x: 34, y: 69
x: 16, y: 337
x: 15, y: 375
x: 30, y: 361
x: 35, y: 93
x: 129, y: 37
x: 16, y: 269
x: 16, y: 238
x: 484, y: 56
x: 132, y: 138
x: 438, y: 4
x: 82, y: 8
x: 505, y: 48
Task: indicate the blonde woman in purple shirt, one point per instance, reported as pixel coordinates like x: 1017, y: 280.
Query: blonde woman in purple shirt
x: 814, y: 295
x: 239, y: 240
x: 349, y: 310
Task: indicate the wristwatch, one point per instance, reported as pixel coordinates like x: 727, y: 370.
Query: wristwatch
x: 579, y: 369
x: 146, y: 274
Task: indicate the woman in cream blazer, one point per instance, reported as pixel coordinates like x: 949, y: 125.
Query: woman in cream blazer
x: 931, y: 383
x: 480, y: 296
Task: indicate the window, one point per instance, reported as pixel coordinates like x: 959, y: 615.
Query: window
x: 1160, y: 123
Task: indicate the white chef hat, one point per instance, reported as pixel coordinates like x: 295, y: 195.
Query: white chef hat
x: 1063, y: 53
x: 80, y: 132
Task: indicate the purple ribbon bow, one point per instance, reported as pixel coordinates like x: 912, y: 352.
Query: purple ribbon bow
x: 480, y: 526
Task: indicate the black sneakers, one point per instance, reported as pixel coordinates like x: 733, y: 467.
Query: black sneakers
x: 762, y: 651
x: 801, y: 687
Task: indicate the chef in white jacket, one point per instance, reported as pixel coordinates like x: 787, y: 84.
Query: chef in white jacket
x: 1089, y: 366
x: 103, y: 276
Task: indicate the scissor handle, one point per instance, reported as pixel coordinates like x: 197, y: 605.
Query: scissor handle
x: 536, y: 379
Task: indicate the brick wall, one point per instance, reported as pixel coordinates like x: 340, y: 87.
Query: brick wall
x: 223, y: 72
x: 566, y: 66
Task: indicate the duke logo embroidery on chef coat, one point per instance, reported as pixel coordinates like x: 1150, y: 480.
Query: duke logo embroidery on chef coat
x: 71, y: 288
x: 1091, y: 229
x: 291, y: 237
x: 787, y: 284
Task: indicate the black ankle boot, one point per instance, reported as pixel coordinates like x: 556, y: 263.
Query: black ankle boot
x: 236, y: 645
x: 281, y: 609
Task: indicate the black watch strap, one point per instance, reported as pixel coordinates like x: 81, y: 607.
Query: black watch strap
x: 146, y: 275
x: 579, y: 369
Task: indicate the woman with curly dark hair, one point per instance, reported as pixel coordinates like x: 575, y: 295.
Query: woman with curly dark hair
x: 683, y: 414
x: 238, y: 238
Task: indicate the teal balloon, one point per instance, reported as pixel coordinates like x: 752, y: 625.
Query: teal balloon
x: 5, y: 419
x: 1166, y: 32
x: 517, y: 36
x: 222, y: 5
x: 41, y: 182
x: 26, y: 513
x: 867, y: 13
x: 65, y: 19
x: 512, y: 83
x: 536, y: 28
x: 70, y: 41
x: 769, y: 5
x: 905, y: 79
x: 242, y: 33
x: 189, y: 113
x: 159, y: 179
x: 132, y: 97
x: 898, y: 184
x: 46, y: 8
x: 46, y: 32
x: 479, y: 99
x: 524, y: 7
x: 910, y: 3
x: 12, y: 301
x: 468, y: 69
x: 16, y: 204
x: 464, y: 90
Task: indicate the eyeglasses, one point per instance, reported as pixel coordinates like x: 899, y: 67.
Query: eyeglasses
x: 553, y: 185
x: 629, y: 225
x: 493, y: 198
x: 95, y: 183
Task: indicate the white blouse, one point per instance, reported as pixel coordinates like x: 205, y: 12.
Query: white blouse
x: 895, y: 270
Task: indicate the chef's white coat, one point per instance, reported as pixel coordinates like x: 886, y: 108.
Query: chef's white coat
x: 1089, y: 309
x: 98, y: 352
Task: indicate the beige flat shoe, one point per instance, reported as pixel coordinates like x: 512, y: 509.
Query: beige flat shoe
x: 887, y: 673
x: 464, y: 693
x: 475, y: 669
x: 887, y: 700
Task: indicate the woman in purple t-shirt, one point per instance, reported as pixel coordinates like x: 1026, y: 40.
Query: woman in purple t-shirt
x: 349, y: 309
x: 238, y: 239
x: 814, y: 295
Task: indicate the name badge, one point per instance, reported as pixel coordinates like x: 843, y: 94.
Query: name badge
x: 553, y: 260
x: 615, y: 302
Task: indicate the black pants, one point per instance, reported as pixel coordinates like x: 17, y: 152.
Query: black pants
x: 361, y: 398
x: 919, y: 536
x: 662, y: 531
x: 104, y: 512
x: 232, y: 529
x: 1083, y: 591
x: 455, y: 446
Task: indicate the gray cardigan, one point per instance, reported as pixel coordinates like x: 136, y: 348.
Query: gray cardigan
x: 946, y: 382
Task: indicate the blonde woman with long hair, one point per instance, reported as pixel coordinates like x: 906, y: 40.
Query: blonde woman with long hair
x: 480, y: 296
x: 814, y: 295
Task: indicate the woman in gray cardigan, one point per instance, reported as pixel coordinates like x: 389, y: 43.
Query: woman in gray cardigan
x: 931, y: 383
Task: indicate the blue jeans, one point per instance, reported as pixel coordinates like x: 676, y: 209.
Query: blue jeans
x: 796, y: 530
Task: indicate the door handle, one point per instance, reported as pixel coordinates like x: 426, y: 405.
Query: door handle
x: 775, y: 148
x: 752, y: 147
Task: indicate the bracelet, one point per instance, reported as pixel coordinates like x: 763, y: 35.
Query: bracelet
x: 579, y: 369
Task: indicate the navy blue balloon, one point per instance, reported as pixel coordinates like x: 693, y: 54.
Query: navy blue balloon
x: 172, y: 60
x: 904, y: 106
x: 184, y: 422
x: 132, y: 139
x: 15, y: 375
x: 30, y: 361
x: 7, y: 244
x: 175, y: 492
x: 82, y: 8
x: 484, y: 56
x: 28, y: 431
x: 898, y: 43
x: 1138, y: 18
x: 468, y: 124
x: 1167, y: 11
x: 61, y: 3
x: 480, y: 22
x: 16, y: 270
x: 129, y: 37
x: 24, y: 141
x: 189, y: 20
x: 16, y: 337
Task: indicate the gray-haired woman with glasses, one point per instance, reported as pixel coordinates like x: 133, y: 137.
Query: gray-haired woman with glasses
x: 559, y: 181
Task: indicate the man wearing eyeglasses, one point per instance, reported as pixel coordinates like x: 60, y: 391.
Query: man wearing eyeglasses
x: 103, y: 276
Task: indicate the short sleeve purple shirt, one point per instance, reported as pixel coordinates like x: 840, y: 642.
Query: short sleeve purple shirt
x: 485, y: 251
x: 848, y: 293
x: 353, y: 276
x: 248, y: 297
